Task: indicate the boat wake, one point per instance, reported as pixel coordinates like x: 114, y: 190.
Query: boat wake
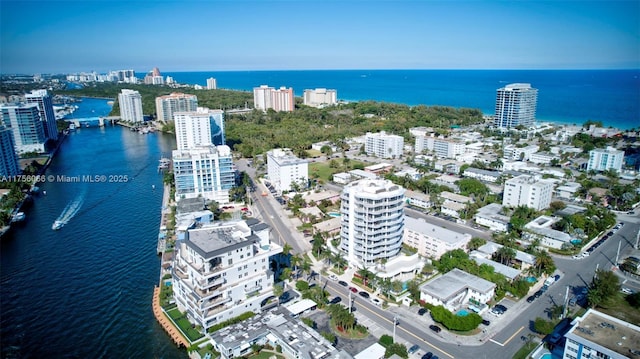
x: 68, y: 212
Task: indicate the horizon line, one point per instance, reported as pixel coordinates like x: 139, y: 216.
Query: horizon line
x: 337, y: 69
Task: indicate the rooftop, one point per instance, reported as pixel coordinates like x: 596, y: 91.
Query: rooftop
x: 451, y: 283
x: 431, y: 230
x: 215, y: 237
x: 605, y: 333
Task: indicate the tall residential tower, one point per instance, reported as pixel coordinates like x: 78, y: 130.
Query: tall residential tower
x: 515, y: 106
x: 372, y: 221
x: 130, y: 106
x: 47, y: 115
x: 167, y: 105
x: 203, y: 127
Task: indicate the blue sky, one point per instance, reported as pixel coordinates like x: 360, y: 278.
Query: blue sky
x: 58, y: 36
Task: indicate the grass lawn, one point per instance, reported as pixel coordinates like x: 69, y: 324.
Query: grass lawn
x: 351, y: 334
x: 265, y: 355
x: 184, y: 324
x: 525, y: 351
x: 618, y: 307
x: 325, y: 172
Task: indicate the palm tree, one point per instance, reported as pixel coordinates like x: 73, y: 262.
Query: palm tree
x: 286, y: 249
x: 365, y: 274
x: 544, y: 263
x: 295, y: 262
x: 505, y: 255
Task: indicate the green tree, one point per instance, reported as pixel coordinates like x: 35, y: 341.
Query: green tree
x: 475, y: 243
x: 604, y: 286
x: 544, y: 263
x: 398, y: 349
x: 542, y: 326
x: 505, y: 255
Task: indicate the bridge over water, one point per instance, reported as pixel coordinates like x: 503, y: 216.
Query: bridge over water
x: 93, y: 121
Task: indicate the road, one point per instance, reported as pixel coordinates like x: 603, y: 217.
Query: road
x: 271, y: 212
x: 502, y: 337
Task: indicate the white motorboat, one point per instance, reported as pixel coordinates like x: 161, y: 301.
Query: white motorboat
x: 57, y: 225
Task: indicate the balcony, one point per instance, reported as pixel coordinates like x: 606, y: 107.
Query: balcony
x: 255, y: 288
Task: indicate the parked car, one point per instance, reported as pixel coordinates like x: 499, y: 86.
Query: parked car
x: 343, y: 283
x: 333, y: 277
x: 427, y: 355
x: 376, y: 301
x: 336, y: 300
x: 573, y: 301
x: 422, y: 311
x: 626, y: 290
x: 485, y: 322
x: 531, y: 299
x: 353, y: 290
x: 364, y: 294
x: 435, y: 328
x: 499, y: 309
x: 414, y: 348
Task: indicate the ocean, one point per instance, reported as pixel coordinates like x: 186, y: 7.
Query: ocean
x: 564, y: 96
x: 85, y: 291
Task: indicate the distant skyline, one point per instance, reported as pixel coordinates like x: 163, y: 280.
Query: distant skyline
x: 74, y: 36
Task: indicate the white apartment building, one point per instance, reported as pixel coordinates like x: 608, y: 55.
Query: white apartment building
x: 601, y: 159
x: 265, y: 97
x: 204, y: 127
x: 383, y: 145
x: 540, y: 228
x: 130, y: 106
x: 28, y: 130
x: 599, y: 335
x: 526, y: 190
x: 47, y: 115
x: 421, y: 131
x: 372, y: 215
x: 168, y: 105
x: 441, y: 147
x: 286, y: 171
x: 320, y: 97
x: 222, y: 270
x: 418, y: 199
x: 514, y: 153
x: 212, y: 84
x: 491, y: 216
x: 430, y: 240
x: 456, y: 289
x: 516, y: 105
x: 482, y: 175
x: 203, y: 172
x: 543, y: 158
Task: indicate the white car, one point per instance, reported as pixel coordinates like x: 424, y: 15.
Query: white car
x: 333, y: 277
x: 577, y: 256
x: 626, y: 290
x: 376, y: 301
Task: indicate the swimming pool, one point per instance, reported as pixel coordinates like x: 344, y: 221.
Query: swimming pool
x: 333, y: 214
x: 531, y: 279
x: 462, y: 313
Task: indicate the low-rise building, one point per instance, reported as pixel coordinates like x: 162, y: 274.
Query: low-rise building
x: 453, y: 203
x: 515, y: 153
x: 274, y: 328
x: 509, y: 272
x: 599, y: 335
x: 430, y: 240
x: 491, y: 216
x: 568, y: 190
x: 523, y: 260
x: 418, y: 199
x: 482, y: 175
x: 456, y: 289
x: 543, y: 158
x: 540, y: 228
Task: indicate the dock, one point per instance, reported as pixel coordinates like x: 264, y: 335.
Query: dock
x: 165, y: 322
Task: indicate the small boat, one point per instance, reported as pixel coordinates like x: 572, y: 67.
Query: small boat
x: 57, y: 225
x: 44, y: 193
x: 153, y: 186
x: 18, y: 217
